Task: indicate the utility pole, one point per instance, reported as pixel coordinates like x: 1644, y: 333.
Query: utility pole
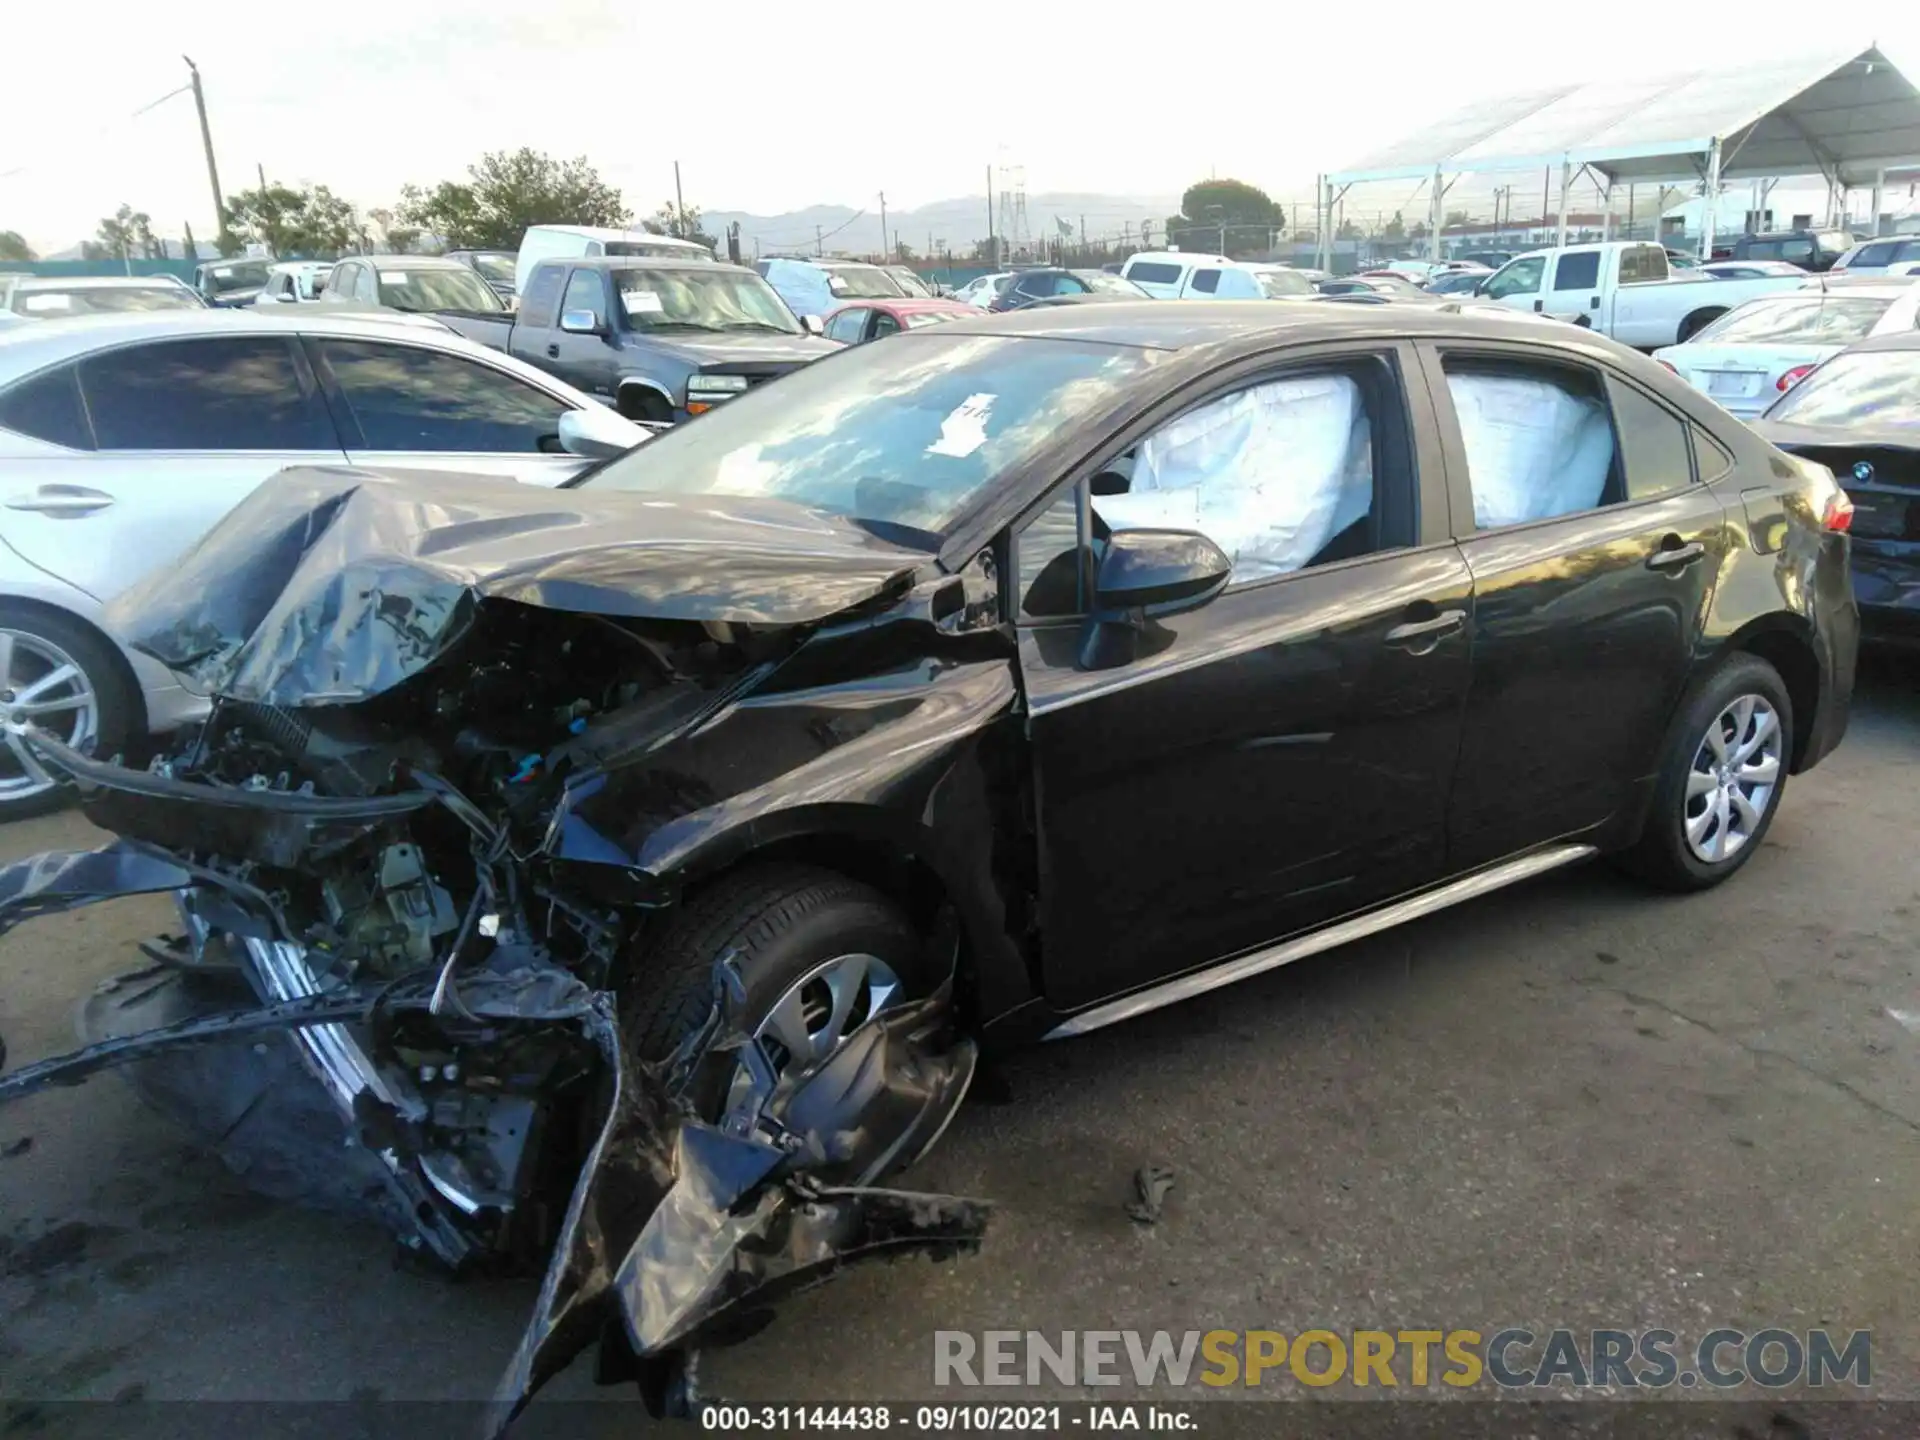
x: 206, y: 142
x: 886, y: 251
x: 679, y: 206
x: 817, y: 250
x: 260, y: 170
x: 993, y: 240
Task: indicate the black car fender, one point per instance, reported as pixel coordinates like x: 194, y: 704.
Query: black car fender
x: 908, y: 779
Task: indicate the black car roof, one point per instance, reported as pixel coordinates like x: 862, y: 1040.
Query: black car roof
x: 1191, y: 324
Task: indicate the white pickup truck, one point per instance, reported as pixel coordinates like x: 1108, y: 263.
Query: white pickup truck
x: 1622, y: 289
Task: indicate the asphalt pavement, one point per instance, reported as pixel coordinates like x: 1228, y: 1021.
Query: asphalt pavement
x: 1570, y: 1104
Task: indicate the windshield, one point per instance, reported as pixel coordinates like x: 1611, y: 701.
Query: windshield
x: 908, y: 281
x: 241, y: 275
x: 658, y: 249
x: 862, y: 282
x: 495, y: 267
x: 899, y: 437
x: 437, y: 290
x: 1812, y: 320
x: 1877, y: 387
x: 1280, y: 283
x: 103, y: 300
x: 690, y: 299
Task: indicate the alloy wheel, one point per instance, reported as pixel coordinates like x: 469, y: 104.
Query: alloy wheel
x: 1733, y: 780
x: 41, y: 685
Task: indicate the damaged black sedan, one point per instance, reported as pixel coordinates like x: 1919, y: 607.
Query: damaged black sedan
x: 635, y: 871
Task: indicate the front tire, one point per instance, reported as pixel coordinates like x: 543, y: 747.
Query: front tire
x: 59, y: 675
x: 818, y: 955
x: 1721, y: 778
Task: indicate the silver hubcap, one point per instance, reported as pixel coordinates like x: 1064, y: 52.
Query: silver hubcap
x: 40, y: 684
x: 818, y: 1012
x: 1735, y: 773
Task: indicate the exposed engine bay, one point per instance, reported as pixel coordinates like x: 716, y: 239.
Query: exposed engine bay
x: 400, y: 880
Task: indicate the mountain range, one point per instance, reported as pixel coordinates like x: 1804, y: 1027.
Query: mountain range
x: 942, y: 225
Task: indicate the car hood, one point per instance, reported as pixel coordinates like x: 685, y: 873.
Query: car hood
x: 699, y: 349
x: 328, y: 585
x: 1789, y: 436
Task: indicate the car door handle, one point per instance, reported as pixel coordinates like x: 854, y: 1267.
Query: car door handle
x: 61, y: 500
x: 1676, y: 557
x: 1414, y: 631
x: 553, y: 352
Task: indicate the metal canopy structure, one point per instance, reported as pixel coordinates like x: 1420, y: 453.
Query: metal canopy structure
x: 1849, y: 117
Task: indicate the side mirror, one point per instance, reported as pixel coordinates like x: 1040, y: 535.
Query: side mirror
x: 814, y: 324
x: 1479, y: 287
x: 1144, y: 576
x: 598, y: 433
x: 581, y: 322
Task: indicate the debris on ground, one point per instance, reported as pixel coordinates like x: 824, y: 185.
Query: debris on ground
x: 1150, y: 1186
x: 13, y: 1149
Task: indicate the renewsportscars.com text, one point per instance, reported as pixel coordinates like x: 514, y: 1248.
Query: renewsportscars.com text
x: 1511, y: 1358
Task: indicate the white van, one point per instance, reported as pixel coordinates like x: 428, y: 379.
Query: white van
x: 570, y: 242
x: 1175, y: 275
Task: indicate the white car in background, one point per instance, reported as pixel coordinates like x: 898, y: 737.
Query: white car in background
x: 983, y: 290
x: 124, y: 439
x: 1751, y: 356
x: 294, y: 282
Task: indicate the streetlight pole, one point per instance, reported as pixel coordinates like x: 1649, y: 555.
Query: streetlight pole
x: 206, y: 142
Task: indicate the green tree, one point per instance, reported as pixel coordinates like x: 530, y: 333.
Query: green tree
x: 1230, y: 203
x: 505, y: 192
x: 1457, y: 218
x: 1395, y: 229
x: 682, y: 222
x: 290, y: 219
x: 395, y: 238
x: 13, y: 247
x: 903, y: 253
x: 123, y: 234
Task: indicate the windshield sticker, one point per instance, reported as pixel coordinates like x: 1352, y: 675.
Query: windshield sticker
x: 965, y: 430
x: 393, y: 277
x: 223, y: 272
x: 642, y: 302
x: 37, y: 303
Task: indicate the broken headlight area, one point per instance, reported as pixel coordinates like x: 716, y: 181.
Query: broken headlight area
x: 373, y: 880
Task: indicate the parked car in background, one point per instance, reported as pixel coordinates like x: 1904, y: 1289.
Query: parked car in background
x: 123, y: 440
x: 979, y: 292
x: 659, y: 340
x: 294, y: 282
x: 866, y: 320
x: 413, y: 284
x: 814, y: 289
x: 910, y: 282
x: 1680, y: 259
x: 572, y: 242
x: 1877, y: 256
x: 1168, y: 274
x: 1750, y: 269
x: 496, y: 267
x: 1808, y: 249
x: 1492, y: 259
x: 1461, y: 281
x: 1750, y: 357
x: 1044, y: 282
x: 234, y: 282
x: 1382, y: 284
x: 1623, y: 289
x: 1859, y: 416
x: 57, y: 298
x: 1280, y: 282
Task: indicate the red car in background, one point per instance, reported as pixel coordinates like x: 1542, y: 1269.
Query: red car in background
x: 864, y: 320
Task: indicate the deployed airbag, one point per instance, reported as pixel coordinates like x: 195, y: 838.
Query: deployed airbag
x: 1270, y: 474
x: 1534, y: 449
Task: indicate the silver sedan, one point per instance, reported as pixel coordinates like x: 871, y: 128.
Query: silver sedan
x: 123, y: 439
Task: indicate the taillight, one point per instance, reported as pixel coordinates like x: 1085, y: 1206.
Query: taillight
x: 1668, y: 365
x: 1793, y: 377
x: 1839, y: 514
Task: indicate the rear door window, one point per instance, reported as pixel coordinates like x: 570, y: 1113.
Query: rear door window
x: 1154, y: 272
x: 1538, y: 437
x: 1577, y: 270
x: 538, y: 305
x: 406, y: 397
x: 219, y: 394
x: 1206, y: 281
x: 47, y: 407
x: 1653, y: 441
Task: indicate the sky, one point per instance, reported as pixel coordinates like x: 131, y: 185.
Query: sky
x: 770, y: 106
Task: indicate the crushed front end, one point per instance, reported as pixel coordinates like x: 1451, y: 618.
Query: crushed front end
x: 379, y: 883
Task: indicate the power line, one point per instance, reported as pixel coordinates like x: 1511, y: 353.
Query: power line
x: 107, y: 129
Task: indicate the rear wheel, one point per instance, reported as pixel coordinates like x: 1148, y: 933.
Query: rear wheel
x: 1695, y: 323
x: 818, y: 955
x: 1721, y: 779
x: 59, y: 676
